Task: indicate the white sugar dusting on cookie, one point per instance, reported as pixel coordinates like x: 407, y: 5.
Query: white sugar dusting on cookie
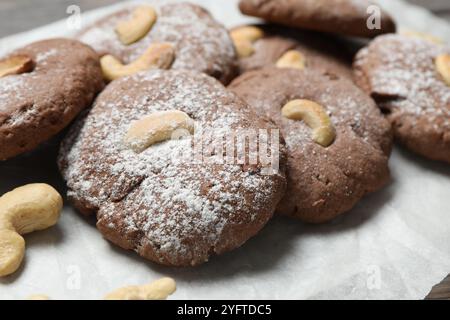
x: 405, y: 69
x: 200, y: 42
x: 171, y: 202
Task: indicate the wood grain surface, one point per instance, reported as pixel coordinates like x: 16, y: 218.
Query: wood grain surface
x: 21, y: 15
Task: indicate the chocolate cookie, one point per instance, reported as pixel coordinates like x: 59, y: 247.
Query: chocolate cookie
x: 147, y: 197
x: 200, y: 43
x: 43, y: 86
x: 337, y: 154
x: 346, y: 17
x: 410, y: 80
x: 273, y: 43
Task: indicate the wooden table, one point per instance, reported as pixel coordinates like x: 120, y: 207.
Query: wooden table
x: 22, y: 15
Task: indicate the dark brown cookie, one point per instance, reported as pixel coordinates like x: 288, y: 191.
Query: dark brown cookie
x: 171, y: 212
x: 59, y: 78
x: 323, y: 182
x: 321, y: 52
x: 201, y: 43
x: 401, y: 74
x: 346, y: 17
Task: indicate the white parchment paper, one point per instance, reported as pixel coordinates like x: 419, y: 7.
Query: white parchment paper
x: 394, y: 245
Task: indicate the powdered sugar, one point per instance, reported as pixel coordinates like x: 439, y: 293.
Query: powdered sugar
x: 42, y: 57
x: 404, y: 70
x: 201, y: 43
x: 16, y: 87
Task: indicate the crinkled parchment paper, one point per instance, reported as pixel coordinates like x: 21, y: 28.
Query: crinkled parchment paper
x: 394, y: 244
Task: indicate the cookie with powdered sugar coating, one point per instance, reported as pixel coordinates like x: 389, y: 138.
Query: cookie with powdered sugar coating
x: 323, y: 181
x: 401, y: 74
x: 63, y: 78
x: 172, y: 212
x: 201, y: 43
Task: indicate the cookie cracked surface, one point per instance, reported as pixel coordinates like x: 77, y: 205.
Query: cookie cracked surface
x: 323, y: 182
x: 171, y: 212
x: 400, y: 73
x: 40, y: 101
x: 200, y: 42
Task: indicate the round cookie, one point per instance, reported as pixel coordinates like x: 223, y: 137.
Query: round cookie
x: 401, y: 74
x: 323, y: 182
x: 321, y: 52
x: 172, y: 212
x: 346, y: 17
x: 48, y: 83
x: 200, y: 42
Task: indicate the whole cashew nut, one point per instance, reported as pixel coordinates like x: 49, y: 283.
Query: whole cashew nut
x: 157, y: 290
x: 443, y: 67
x: 314, y: 116
x: 243, y: 39
x: 23, y: 210
x: 157, y: 127
x: 292, y: 59
x: 142, y: 21
x: 15, y: 65
x: 158, y: 55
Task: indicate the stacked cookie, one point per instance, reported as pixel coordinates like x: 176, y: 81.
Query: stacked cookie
x: 177, y: 167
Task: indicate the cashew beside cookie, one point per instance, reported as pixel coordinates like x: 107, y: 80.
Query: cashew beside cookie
x: 314, y: 116
x: 23, y: 210
x: 157, y: 290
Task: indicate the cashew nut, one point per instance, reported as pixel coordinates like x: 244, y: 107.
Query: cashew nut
x: 292, y: 59
x: 423, y: 36
x: 157, y: 290
x: 243, y: 39
x: 16, y: 65
x: 158, y: 127
x: 443, y: 67
x: 158, y: 55
x: 142, y: 21
x: 23, y: 210
x: 314, y: 116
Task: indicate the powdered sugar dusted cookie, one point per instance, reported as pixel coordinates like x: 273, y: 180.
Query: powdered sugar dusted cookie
x: 276, y: 45
x: 338, y: 141
x: 409, y: 79
x: 347, y: 17
x: 157, y: 195
x: 43, y: 86
x: 200, y: 43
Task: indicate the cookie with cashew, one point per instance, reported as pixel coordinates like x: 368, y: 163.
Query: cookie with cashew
x: 338, y: 141
x: 198, y: 41
x: 26, y: 209
x: 266, y: 45
x: 148, y: 162
x: 361, y: 18
x: 409, y: 77
x: 43, y: 86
